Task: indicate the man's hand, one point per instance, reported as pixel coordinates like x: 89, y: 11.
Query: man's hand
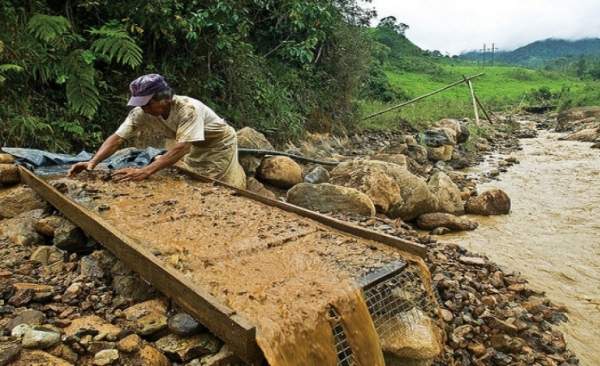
x: 79, y: 167
x: 131, y: 174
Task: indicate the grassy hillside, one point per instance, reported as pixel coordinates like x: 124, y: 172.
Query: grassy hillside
x: 502, y: 88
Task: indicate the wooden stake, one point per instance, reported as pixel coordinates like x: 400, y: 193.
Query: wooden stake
x: 483, y: 109
x: 423, y: 96
x: 468, y: 81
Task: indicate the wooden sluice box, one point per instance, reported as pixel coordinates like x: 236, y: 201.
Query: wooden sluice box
x: 237, y: 261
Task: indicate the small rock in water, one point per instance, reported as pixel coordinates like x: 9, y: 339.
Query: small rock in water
x: 183, y: 324
x: 440, y: 231
x: 475, y: 261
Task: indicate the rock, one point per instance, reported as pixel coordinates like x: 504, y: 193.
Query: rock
x: 147, y: 317
x: 106, y: 357
x: 418, y: 153
x: 92, y: 325
x: 585, y: 135
x: 129, y: 344
x: 492, y: 202
x: 279, y: 171
x: 39, y: 358
x: 596, y: 145
x: 65, y: 352
x: 504, y: 343
x: 129, y: 285
x: 69, y: 237
x: 317, y: 175
x: 6, y: 159
x: 477, y: 349
x: 439, y: 136
x: 446, y: 315
x: 434, y: 220
x: 48, y: 225
x: 28, y: 316
x: 225, y: 357
x: 20, y: 229
x: 459, y: 333
x: 372, y: 178
x: 183, y: 324
x: 17, y: 200
x: 327, y: 197
x: 9, y: 174
x: 9, y: 351
x: 72, y: 292
x: 150, y: 356
x: 474, y: 261
x: 47, y: 255
x: 440, y: 231
x: 416, y: 339
x: 417, y: 199
x: 19, y: 331
x: 534, y: 305
x: 40, y: 338
x: 39, y: 292
x: 398, y: 159
x: 90, y: 267
x: 183, y: 349
x: 461, y: 131
x: 253, y: 185
x: 251, y: 139
x: 447, y: 193
x: 441, y: 153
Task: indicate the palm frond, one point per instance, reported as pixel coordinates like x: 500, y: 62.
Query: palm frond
x: 116, y: 44
x: 82, y: 93
x: 48, y: 27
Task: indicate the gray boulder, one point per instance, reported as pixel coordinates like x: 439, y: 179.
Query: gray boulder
x: 447, y: 193
x: 317, y: 175
x: 492, y: 202
x: 435, y: 220
x: 327, y: 197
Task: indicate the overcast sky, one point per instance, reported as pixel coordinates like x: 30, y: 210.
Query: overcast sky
x: 459, y: 25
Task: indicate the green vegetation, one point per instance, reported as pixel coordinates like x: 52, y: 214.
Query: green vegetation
x: 282, y: 67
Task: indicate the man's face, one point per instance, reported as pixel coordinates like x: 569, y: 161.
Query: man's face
x: 156, y: 107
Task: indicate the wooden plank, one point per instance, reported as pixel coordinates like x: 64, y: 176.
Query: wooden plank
x: 233, y: 329
x: 423, y: 96
x: 487, y: 116
x: 404, y: 245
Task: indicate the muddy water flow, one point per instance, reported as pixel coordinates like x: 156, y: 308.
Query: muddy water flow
x: 552, y: 235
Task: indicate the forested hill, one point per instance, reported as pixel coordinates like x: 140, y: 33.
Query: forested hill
x: 539, y: 53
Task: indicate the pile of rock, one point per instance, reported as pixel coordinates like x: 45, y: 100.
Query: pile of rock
x: 64, y: 301
x: 582, y: 123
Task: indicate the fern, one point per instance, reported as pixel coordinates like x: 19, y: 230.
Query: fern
x: 82, y: 93
x: 48, y: 27
x: 8, y: 68
x: 116, y: 44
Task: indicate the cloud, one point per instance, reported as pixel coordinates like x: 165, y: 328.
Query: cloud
x: 456, y: 26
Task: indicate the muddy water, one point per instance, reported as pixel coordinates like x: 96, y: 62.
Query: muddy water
x: 552, y: 235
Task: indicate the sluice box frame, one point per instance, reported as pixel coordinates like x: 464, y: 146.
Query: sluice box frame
x: 224, y: 322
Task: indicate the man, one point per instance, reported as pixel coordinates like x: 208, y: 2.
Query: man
x: 207, y: 144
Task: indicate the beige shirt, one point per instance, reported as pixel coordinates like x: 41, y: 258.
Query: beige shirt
x: 189, y: 121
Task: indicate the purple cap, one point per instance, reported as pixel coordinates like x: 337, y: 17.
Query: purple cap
x: 143, y: 89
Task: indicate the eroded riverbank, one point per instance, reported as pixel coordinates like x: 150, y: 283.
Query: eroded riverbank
x: 552, y: 235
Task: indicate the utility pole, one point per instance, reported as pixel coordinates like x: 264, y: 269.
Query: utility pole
x: 483, y: 50
x: 493, y: 51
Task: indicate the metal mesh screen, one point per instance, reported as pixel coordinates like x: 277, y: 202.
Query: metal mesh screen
x: 388, y: 298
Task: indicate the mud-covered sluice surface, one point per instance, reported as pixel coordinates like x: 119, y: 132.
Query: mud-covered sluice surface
x: 552, y: 235
x: 279, y: 270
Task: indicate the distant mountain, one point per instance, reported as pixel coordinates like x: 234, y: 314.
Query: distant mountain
x: 538, y: 53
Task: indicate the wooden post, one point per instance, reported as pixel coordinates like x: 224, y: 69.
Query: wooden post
x: 487, y: 116
x: 470, y: 85
x: 423, y: 96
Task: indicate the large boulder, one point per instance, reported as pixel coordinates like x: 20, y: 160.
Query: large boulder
x: 447, y: 193
x: 251, y: 139
x: 434, y: 220
x: 575, y: 117
x: 440, y: 153
x: 492, y: 202
x: 398, y: 159
x: 371, y: 177
x: 416, y: 340
x: 17, y: 200
x: 280, y: 171
x: 415, y: 197
x: 327, y: 197
x: 439, y: 136
x: 461, y: 131
x: 418, y: 153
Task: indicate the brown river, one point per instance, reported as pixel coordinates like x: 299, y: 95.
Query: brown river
x: 552, y: 235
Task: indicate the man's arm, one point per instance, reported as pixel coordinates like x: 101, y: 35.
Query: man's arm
x: 171, y: 157
x: 109, y: 146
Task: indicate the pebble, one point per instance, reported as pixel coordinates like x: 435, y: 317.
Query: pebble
x: 37, y: 338
x: 106, y: 357
x: 183, y: 324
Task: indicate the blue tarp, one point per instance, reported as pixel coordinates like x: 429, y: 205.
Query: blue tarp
x: 44, y: 162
